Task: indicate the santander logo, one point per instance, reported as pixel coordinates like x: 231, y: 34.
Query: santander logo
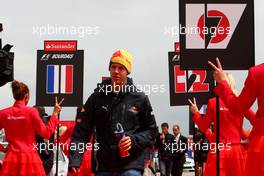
x: 66, y: 45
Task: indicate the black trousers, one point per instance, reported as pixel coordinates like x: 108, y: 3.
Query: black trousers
x: 177, y: 167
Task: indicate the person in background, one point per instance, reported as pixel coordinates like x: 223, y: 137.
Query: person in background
x: 200, y: 153
x: 179, y: 156
x: 232, y: 159
x: 165, y: 154
x: 45, y: 155
x: 253, y: 89
x: 86, y: 165
x: 20, y: 123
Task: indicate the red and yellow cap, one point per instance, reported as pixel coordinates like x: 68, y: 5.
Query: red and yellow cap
x: 122, y: 57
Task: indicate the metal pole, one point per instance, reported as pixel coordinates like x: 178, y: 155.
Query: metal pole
x: 194, y: 141
x: 57, y: 152
x: 1, y: 29
x: 217, y: 136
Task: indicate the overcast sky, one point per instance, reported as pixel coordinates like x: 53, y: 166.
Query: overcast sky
x: 144, y: 27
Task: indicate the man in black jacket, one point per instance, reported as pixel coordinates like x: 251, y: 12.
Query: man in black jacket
x: 179, y: 154
x: 45, y: 155
x: 164, y: 143
x: 115, y: 101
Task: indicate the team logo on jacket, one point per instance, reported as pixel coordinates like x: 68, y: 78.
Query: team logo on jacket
x: 133, y: 109
x: 106, y: 107
x: 59, y: 79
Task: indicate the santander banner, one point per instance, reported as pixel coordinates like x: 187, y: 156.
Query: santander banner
x: 63, y: 45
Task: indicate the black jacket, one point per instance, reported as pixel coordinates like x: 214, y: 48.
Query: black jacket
x: 103, y: 111
x: 45, y: 155
x: 179, y: 156
x: 164, y: 147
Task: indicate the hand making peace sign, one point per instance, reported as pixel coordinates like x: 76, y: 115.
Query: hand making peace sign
x: 218, y: 73
x: 57, y: 107
x: 193, y: 105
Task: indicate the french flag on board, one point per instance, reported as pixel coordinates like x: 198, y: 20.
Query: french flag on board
x: 65, y: 83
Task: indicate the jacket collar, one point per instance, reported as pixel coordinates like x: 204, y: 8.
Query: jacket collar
x: 19, y: 103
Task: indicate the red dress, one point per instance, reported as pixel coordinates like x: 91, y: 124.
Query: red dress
x: 253, y: 89
x: 85, y: 169
x: 65, y: 139
x: 232, y: 156
x: 1, y: 147
x: 20, y: 123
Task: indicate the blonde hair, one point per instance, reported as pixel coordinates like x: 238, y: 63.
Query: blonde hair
x: 231, y: 82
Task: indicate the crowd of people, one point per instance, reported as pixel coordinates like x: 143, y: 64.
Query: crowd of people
x: 119, y: 118
x: 171, y: 154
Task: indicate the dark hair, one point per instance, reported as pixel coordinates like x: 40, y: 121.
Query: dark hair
x: 19, y: 90
x: 165, y: 124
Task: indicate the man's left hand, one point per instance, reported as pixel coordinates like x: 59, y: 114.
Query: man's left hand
x: 125, y: 143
